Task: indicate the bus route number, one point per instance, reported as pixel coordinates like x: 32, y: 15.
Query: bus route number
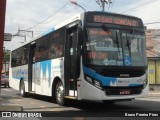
x: 98, y: 55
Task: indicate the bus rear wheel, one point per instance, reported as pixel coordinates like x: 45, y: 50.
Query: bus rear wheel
x: 59, y: 93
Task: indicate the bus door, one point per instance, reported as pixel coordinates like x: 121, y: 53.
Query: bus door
x: 71, y: 62
x: 30, y: 67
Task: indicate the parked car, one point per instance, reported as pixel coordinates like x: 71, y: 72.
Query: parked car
x: 4, y: 80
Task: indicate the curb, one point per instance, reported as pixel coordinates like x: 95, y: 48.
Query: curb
x: 154, y: 93
x: 11, y: 108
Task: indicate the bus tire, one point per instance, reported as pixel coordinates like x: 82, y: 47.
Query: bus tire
x: 59, y: 93
x: 8, y: 85
x: 22, y: 89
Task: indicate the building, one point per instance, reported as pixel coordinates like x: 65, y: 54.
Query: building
x: 153, y: 55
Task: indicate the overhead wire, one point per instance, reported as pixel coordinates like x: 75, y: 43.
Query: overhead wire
x: 63, y: 15
x: 151, y: 23
x: 112, y: 4
x: 109, y: 4
x: 50, y: 15
x: 42, y: 22
x: 58, y: 19
x: 146, y: 3
x: 86, y: 4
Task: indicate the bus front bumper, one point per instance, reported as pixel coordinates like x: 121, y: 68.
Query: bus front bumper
x: 90, y: 92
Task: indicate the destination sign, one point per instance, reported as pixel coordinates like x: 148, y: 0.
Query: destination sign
x: 118, y: 20
x: 99, y: 32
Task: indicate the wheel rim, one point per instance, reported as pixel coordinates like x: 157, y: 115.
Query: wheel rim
x: 59, y: 93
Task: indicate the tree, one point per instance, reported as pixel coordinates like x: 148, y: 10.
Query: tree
x: 6, y: 60
x: 6, y: 56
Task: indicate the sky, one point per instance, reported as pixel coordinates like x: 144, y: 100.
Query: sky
x: 41, y: 15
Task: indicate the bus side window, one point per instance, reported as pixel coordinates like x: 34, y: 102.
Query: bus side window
x: 55, y: 51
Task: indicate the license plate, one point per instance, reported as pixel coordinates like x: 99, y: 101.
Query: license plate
x: 125, y: 92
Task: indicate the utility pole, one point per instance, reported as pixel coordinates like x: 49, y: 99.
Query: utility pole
x: 2, y: 23
x: 19, y: 30
x: 102, y: 3
x: 20, y: 36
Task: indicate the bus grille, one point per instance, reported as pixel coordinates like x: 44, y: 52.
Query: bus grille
x: 119, y: 90
x: 122, y: 74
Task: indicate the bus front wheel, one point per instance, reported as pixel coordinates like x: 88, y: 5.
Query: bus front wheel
x: 59, y: 93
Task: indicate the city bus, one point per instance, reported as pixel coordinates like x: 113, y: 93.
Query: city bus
x: 92, y: 56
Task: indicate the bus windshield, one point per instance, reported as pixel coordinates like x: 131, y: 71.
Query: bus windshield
x: 115, y: 47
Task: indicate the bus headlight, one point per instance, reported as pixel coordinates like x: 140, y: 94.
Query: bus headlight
x: 97, y: 84
x: 145, y: 82
x: 89, y: 79
x: 94, y: 82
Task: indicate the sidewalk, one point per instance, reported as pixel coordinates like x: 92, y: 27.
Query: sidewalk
x: 4, y: 106
x: 154, y: 93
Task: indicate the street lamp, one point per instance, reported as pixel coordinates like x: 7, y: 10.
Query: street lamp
x: 75, y: 3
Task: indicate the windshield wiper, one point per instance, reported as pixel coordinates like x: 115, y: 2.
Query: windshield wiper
x: 117, y: 42
x: 128, y: 44
x: 115, y: 38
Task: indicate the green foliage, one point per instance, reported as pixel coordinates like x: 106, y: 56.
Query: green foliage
x: 6, y: 56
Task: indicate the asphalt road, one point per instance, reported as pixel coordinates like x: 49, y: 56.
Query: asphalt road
x: 80, y: 109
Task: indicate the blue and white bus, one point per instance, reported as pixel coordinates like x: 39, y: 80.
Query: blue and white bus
x: 92, y: 56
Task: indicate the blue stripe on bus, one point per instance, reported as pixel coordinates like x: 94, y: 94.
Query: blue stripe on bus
x: 18, y: 78
x: 46, y: 70
x: 104, y: 80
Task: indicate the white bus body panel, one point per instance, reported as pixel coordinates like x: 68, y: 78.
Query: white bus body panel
x: 90, y: 92
x: 45, y: 73
x: 16, y: 74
